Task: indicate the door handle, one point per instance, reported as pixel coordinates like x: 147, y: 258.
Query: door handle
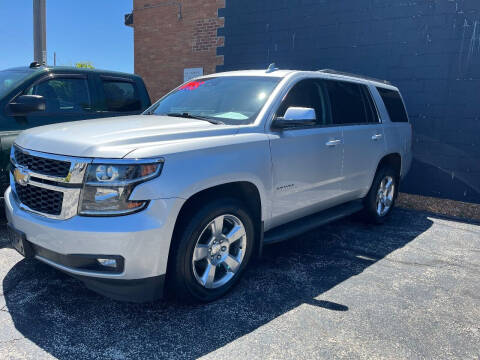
x: 377, y: 137
x: 332, y: 143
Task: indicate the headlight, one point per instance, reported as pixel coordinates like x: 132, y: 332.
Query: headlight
x: 108, y: 186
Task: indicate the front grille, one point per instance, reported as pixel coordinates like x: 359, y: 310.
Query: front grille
x: 40, y: 199
x: 43, y: 183
x: 42, y: 165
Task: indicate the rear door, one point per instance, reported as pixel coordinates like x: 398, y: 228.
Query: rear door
x: 119, y: 96
x: 364, y: 141
x: 307, y: 160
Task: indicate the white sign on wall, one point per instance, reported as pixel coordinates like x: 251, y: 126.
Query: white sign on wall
x: 190, y: 73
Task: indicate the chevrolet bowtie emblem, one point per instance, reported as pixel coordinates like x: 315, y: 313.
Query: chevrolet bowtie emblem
x: 21, y: 176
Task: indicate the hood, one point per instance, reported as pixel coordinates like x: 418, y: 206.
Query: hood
x: 117, y: 136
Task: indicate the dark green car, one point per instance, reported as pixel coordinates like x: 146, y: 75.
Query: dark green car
x: 39, y: 95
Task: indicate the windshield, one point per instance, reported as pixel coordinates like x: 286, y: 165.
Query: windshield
x: 231, y: 100
x: 10, y: 79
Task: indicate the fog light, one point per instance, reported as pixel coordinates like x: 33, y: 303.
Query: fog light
x: 111, y: 263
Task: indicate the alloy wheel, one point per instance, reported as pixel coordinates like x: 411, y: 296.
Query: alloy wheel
x: 219, y: 251
x: 385, y: 195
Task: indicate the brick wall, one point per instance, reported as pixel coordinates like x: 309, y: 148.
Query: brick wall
x: 429, y: 48
x: 173, y: 35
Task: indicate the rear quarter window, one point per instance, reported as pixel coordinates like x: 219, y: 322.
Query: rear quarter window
x: 394, y: 104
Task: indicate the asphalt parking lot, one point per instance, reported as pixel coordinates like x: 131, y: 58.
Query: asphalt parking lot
x: 407, y: 289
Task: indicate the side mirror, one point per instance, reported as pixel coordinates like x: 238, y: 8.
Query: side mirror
x: 296, y: 117
x: 25, y: 104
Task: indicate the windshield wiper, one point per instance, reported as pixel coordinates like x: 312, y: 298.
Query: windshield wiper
x: 196, y: 117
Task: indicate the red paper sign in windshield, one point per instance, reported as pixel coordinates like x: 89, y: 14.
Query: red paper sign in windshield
x: 193, y: 85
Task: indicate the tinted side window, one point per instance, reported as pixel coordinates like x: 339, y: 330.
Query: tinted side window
x: 394, y: 104
x: 121, y: 96
x: 347, y: 102
x: 63, y: 94
x: 309, y: 93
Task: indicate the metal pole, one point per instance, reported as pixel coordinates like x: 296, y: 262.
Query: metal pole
x: 39, y: 32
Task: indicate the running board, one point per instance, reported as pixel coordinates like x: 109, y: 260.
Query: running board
x: 303, y: 225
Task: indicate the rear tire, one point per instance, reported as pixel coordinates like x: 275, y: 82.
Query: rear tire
x: 211, y: 251
x: 381, y: 198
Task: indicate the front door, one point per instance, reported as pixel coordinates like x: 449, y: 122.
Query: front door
x: 307, y: 162
x: 67, y: 98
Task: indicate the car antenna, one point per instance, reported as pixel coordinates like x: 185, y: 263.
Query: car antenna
x: 34, y: 65
x: 272, y: 67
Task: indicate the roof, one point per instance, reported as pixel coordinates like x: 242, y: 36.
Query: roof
x: 326, y: 74
x: 67, y: 69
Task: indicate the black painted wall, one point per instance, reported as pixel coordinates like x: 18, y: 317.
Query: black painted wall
x: 430, y: 49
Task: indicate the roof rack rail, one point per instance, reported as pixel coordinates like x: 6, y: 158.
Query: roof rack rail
x: 335, y: 72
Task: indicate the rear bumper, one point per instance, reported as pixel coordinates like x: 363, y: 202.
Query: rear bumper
x: 140, y: 242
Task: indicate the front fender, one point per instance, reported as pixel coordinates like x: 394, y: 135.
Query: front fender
x: 187, y: 173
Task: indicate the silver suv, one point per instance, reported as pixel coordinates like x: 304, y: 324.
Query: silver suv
x: 185, y: 195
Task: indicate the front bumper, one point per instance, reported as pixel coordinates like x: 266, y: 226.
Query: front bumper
x: 141, y: 239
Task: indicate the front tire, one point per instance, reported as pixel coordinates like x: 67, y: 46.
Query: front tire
x: 382, y: 196
x: 212, y: 251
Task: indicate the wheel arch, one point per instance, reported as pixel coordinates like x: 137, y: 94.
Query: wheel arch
x: 245, y: 191
x: 393, y: 160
